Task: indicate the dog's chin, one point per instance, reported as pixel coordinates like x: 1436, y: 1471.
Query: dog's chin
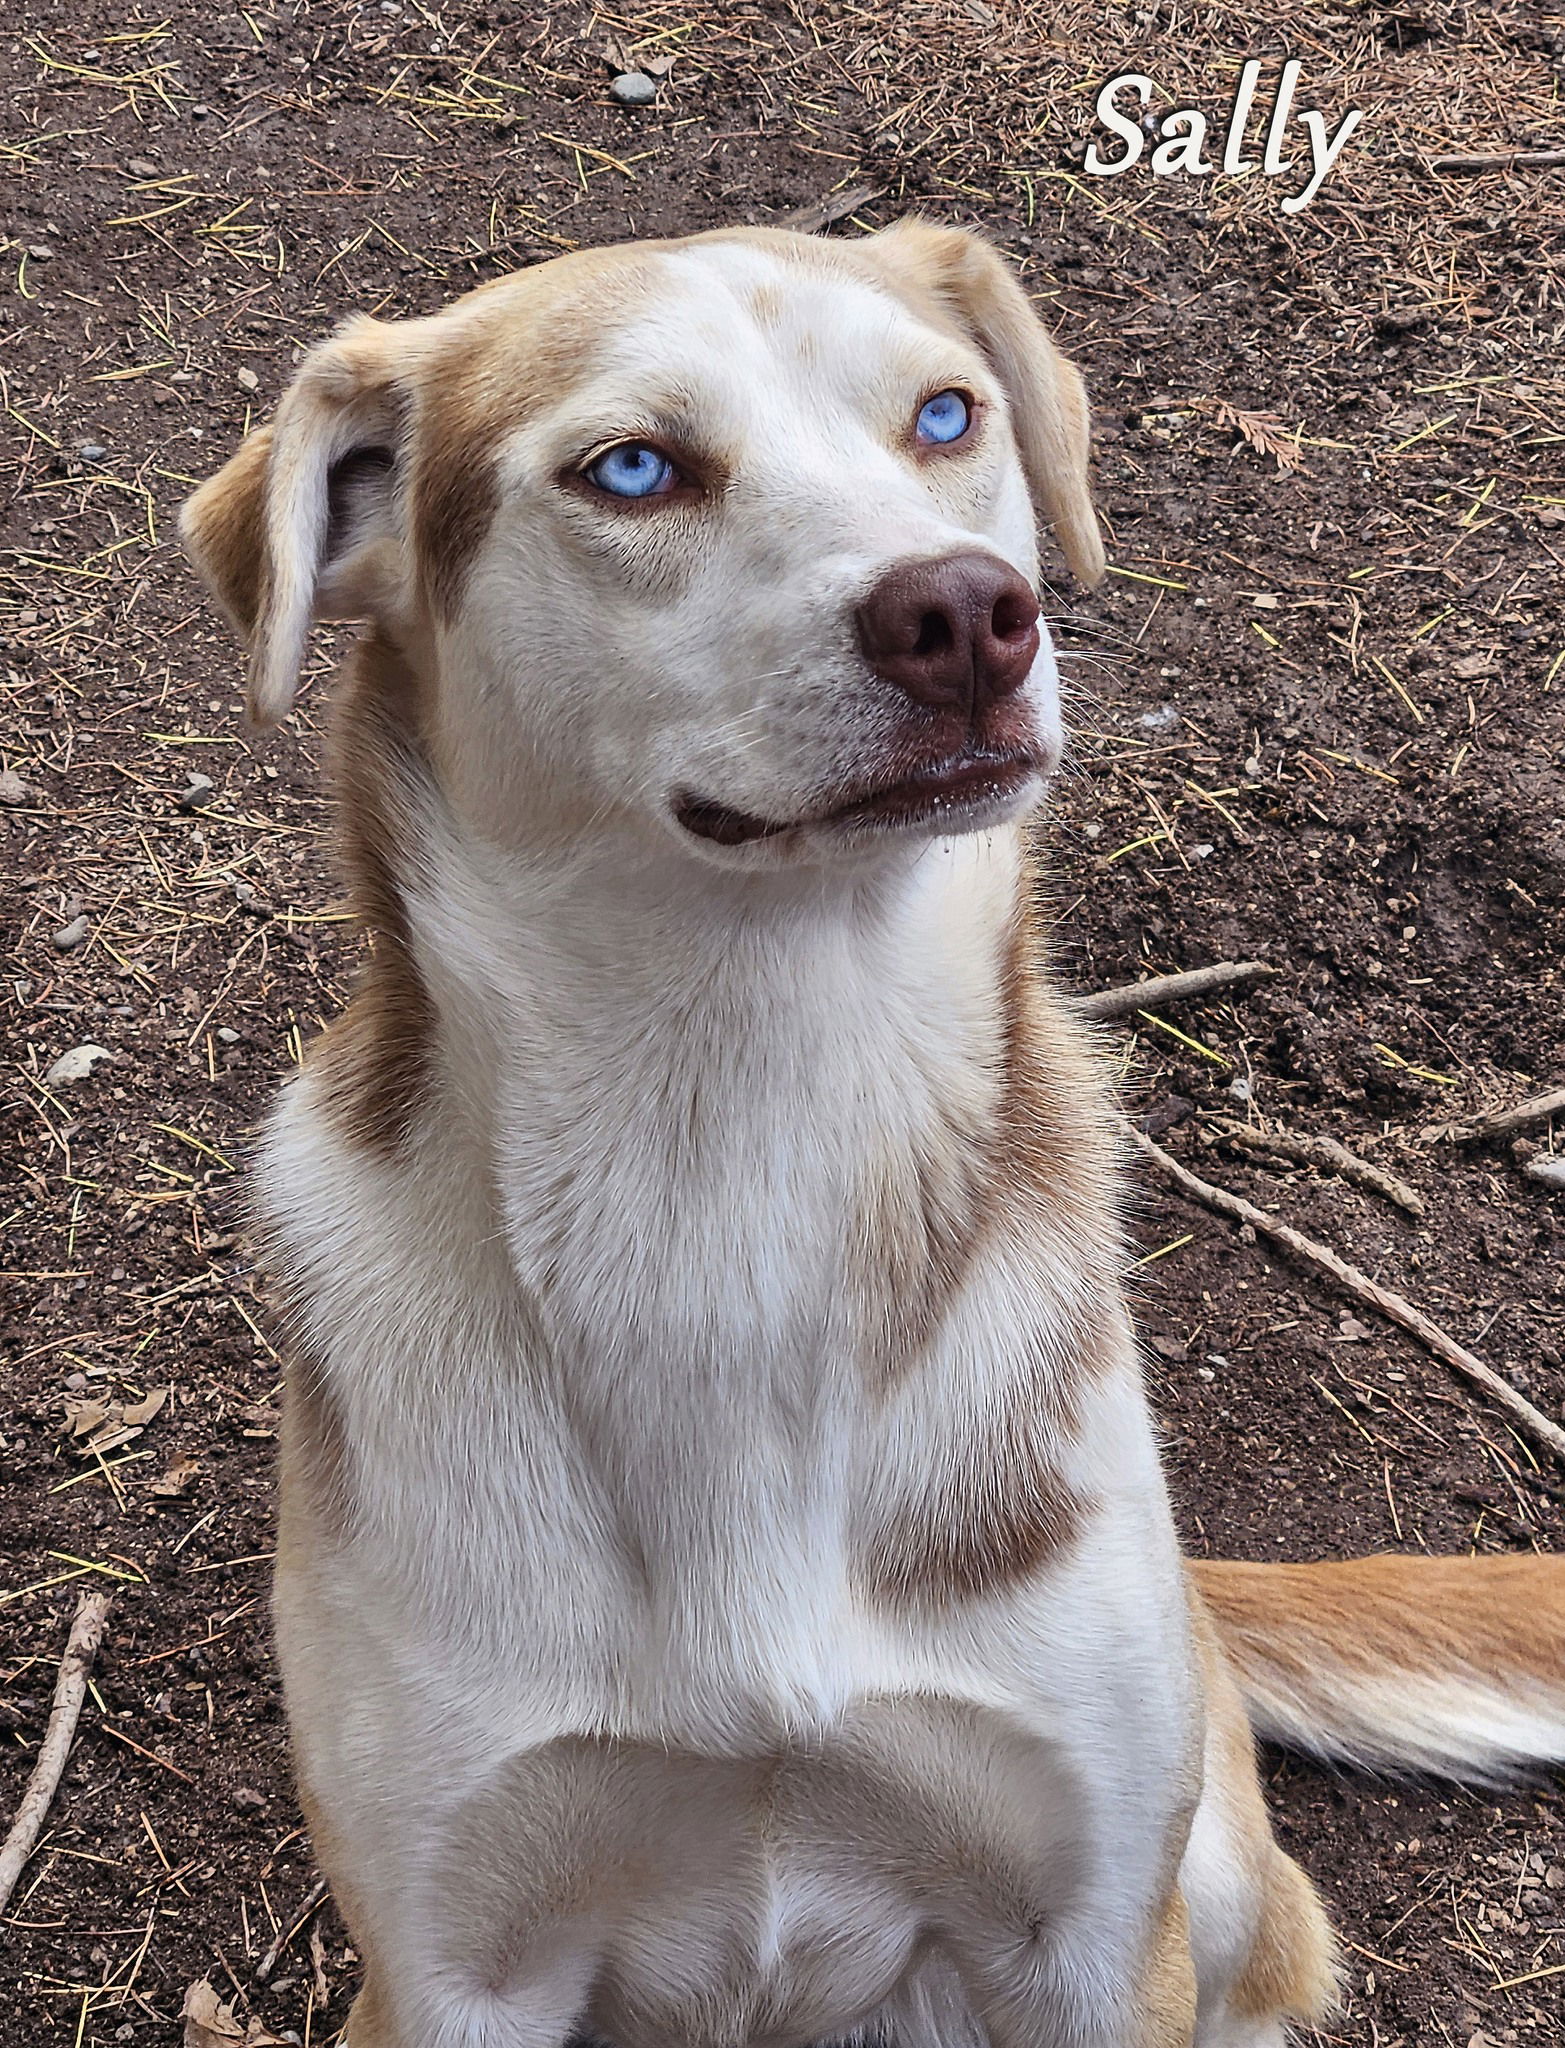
x: 972, y: 792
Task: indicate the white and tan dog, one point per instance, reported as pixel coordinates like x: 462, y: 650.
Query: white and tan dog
x: 727, y: 1594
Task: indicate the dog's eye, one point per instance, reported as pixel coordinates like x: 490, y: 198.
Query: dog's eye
x: 633, y: 470
x: 945, y: 417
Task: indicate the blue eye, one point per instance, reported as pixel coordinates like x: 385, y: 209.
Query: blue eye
x: 634, y: 470
x: 945, y: 417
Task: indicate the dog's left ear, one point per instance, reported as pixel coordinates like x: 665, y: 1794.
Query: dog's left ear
x: 305, y: 522
x: 1048, y: 400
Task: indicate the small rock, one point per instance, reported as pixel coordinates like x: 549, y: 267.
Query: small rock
x: 1549, y: 1168
x: 1351, y: 1330
x: 76, y: 1064
x: 1402, y: 320
x: 1204, y: 851
x: 71, y: 935
x: 249, y: 380
x: 13, y: 790
x: 142, y: 167
x: 633, y: 89
x: 91, y: 451
x: 227, y: 1035
x: 40, y: 252
x: 247, y: 1799
x: 1159, y: 720
x: 1240, y: 1090
x: 192, y: 796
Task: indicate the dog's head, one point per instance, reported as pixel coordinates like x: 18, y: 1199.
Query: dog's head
x: 732, y: 540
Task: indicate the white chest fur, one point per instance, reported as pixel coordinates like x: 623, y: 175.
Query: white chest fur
x: 607, y: 1354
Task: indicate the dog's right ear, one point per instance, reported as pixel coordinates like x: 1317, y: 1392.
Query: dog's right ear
x: 305, y: 522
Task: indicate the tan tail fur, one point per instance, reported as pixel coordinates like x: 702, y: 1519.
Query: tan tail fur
x: 1449, y: 1665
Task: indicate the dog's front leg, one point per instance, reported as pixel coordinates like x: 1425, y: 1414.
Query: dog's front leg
x: 545, y: 2013
x: 1059, y: 1995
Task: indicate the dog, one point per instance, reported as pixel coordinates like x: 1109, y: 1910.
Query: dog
x: 727, y: 1595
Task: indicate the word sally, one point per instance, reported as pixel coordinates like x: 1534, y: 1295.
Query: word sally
x: 1184, y: 133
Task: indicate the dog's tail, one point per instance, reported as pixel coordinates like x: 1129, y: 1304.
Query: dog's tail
x: 1452, y: 1666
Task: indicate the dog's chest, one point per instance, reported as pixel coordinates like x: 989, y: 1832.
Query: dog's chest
x: 601, y: 1445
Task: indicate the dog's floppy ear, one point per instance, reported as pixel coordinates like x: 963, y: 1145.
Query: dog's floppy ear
x: 305, y: 521
x: 1048, y: 400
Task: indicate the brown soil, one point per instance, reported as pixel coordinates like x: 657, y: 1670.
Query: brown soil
x: 1322, y: 715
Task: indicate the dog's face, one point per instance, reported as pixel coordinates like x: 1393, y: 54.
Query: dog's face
x: 731, y: 540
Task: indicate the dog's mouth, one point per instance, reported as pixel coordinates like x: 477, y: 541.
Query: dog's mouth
x: 960, y: 794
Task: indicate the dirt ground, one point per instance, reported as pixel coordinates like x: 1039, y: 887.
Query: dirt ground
x: 1320, y: 709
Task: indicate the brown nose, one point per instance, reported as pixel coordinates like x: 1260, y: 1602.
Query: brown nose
x: 961, y: 631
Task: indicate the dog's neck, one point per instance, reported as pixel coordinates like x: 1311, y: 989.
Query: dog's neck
x: 705, y: 1100
x: 710, y: 1179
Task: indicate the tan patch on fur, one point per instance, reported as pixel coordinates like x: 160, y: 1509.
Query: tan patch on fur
x: 370, y: 2023
x: 1006, y: 1511
x: 768, y: 304
x: 1003, y: 1515
x: 917, y: 1226
x: 1168, y: 1990
x: 526, y: 343
x: 1388, y: 1615
x: 372, y: 1066
x: 1290, y: 1971
x: 221, y: 524
x: 316, y: 1472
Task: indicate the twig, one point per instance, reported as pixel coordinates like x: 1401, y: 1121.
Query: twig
x: 1169, y: 988
x: 1392, y: 1306
x: 1505, y: 159
x: 286, y: 1933
x: 825, y: 213
x: 1325, y: 1152
x: 1498, y: 1123
x: 81, y: 1647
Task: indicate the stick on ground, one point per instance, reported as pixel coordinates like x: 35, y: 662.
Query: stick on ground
x: 1312, y: 1150
x: 1393, y: 1306
x: 1501, y: 160
x: 1169, y: 988
x: 825, y: 213
x: 287, y: 1931
x: 1537, y: 1109
x: 75, y: 1666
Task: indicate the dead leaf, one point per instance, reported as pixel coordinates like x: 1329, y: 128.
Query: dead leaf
x: 209, y: 2023
x: 96, y: 1424
x: 83, y: 1417
x: 140, y: 1412
x: 175, y: 1482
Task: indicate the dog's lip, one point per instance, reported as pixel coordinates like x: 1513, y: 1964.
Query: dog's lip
x: 950, y: 789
